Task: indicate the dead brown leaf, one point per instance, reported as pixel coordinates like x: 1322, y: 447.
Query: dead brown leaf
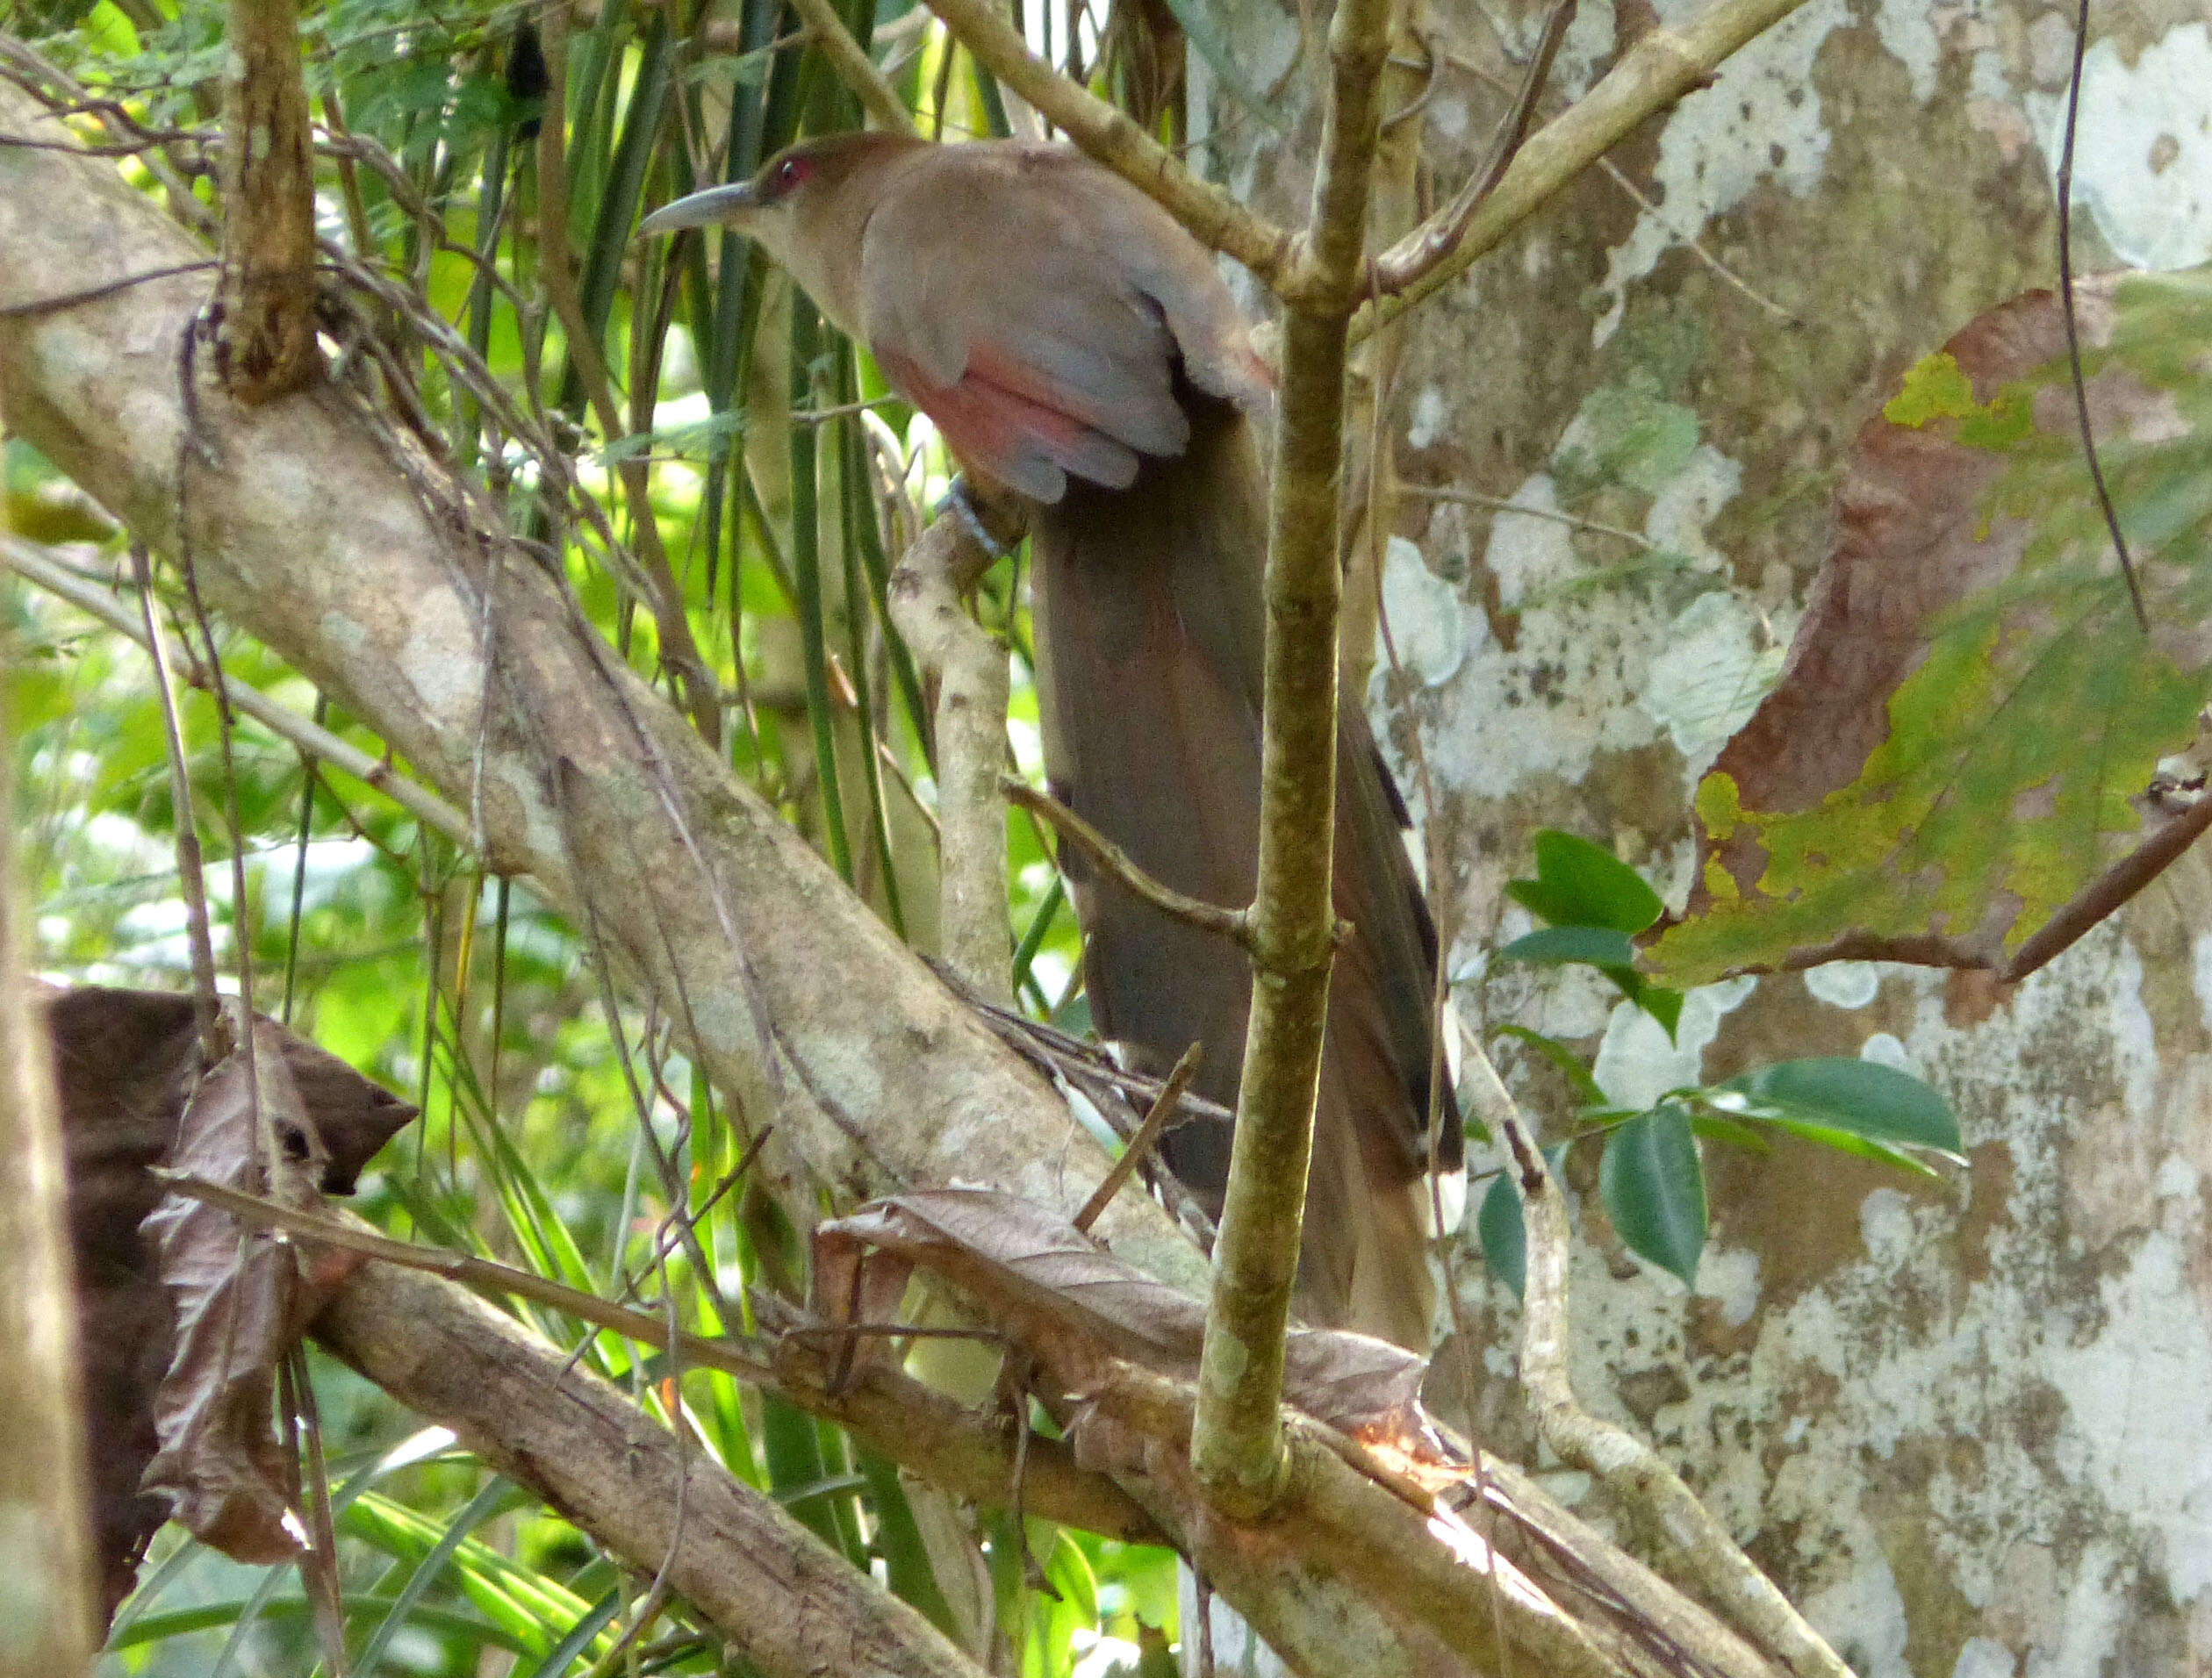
x: 126, y: 1065
x: 1081, y: 1310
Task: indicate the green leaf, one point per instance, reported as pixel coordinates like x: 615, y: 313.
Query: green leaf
x: 1500, y: 1229
x: 1734, y: 1132
x: 570, y: 1649
x: 1859, y: 1147
x: 1503, y: 1235
x: 1579, y: 884
x: 1855, y: 1098
x: 1653, y: 1188
x: 107, y: 30
x: 1560, y: 1056
x: 1957, y: 756
x: 1938, y: 389
x: 1660, y: 1002
x: 1597, y: 946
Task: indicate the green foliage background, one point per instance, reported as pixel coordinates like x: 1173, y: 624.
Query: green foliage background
x: 396, y: 952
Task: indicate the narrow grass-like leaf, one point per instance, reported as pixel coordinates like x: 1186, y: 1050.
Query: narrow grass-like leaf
x: 496, y: 1491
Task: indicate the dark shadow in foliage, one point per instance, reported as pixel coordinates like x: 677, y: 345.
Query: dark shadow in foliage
x: 126, y: 1063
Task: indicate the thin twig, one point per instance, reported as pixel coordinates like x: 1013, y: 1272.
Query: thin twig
x: 923, y: 597
x: 1109, y: 136
x: 1695, y: 246
x: 1507, y: 505
x: 1435, y: 239
x: 1110, y: 858
x: 1237, y: 1447
x: 827, y: 33
x: 2074, y: 328
x: 934, y: 1435
x: 319, y: 1568
x: 1139, y: 1146
x: 191, y: 880
x: 1661, y: 67
x: 94, y: 293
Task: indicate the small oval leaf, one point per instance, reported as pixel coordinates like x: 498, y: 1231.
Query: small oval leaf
x: 1653, y: 1188
x: 1861, y: 1098
x: 1581, y: 884
x: 1504, y: 1237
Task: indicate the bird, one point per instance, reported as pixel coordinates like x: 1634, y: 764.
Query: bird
x: 1077, y: 346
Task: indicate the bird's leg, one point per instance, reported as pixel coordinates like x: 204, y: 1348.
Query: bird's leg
x: 976, y: 513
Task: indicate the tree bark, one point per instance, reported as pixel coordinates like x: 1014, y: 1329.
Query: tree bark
x: 49, y: 1621
x: 787, y: 1602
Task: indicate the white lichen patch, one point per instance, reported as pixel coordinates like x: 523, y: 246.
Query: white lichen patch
x: 1718, y: 663
x: 1431, y: 412
x: 541, y: 831
x: 2043, y: 1390
x: 2139, y: 1410
x: 1689, y: 501
x: 1729, y: 1277
x: 1844, y: 984
x: 438, y: 660
x: 1759, y: 121
x: 1422, y: 612
x: 1588, y: 48
x: 2143, y: 147
x: 1637, y: 1063
x: 1564, y: 691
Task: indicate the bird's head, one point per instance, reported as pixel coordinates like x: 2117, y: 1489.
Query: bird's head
x: 806, y: 207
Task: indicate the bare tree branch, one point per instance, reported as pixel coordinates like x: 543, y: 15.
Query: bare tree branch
x: 1435, y: 239
x: 1660, y: 67
x: 1695, y: 1548
x: 855, y: 68
x: 784, y: 1600
x: 925, y: 594
x: 321, y: 533
x: 1110, y: 859
x: 1236, y: 1445
x: 321, y: 529
x: 265, y: 332
x: 1109, y: 136
x: 962, y: 1451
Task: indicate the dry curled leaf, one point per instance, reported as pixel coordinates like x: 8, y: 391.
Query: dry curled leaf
x: 126, y: 1063
x: 239, y: 1303
x: 1080, y: 1309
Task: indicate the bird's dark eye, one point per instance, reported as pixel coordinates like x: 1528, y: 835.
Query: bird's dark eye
x: 788, y: 173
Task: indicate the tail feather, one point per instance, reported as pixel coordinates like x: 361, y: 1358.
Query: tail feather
x: 1150, y: 640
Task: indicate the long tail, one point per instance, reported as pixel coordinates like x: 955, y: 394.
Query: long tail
x: 1150, y: 635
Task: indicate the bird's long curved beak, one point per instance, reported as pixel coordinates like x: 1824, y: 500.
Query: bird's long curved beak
x: 711, y: 208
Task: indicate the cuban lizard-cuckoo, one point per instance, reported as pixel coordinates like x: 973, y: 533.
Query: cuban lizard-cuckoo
x: 1076, y: 345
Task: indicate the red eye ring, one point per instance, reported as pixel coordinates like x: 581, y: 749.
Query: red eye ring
x: 789, y: 173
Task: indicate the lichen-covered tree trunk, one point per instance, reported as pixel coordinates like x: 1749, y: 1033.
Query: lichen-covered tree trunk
x: 1969, y: 1427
